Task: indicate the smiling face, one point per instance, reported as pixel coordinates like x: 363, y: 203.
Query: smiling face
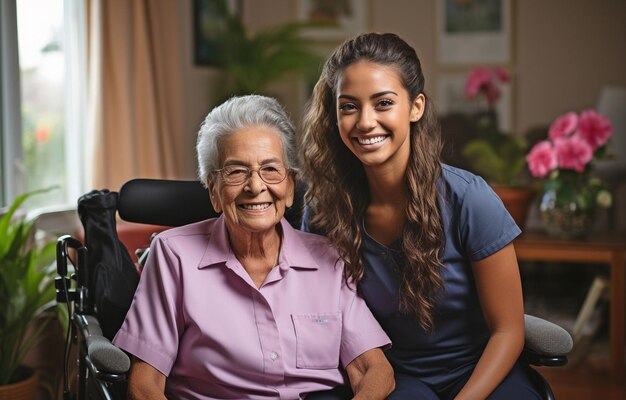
x: 374, y: 114
x: 252, y: 206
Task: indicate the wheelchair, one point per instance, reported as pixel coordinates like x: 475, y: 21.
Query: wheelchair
x: 102, y: 368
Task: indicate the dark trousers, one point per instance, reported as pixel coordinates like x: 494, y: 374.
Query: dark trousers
x: 517, y: 385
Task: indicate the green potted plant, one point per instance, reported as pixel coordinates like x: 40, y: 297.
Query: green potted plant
x: 26, y: 292
x: 498, y: 157
x: 252, y: 61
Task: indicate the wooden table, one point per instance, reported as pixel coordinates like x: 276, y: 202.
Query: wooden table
x: 601, y: 248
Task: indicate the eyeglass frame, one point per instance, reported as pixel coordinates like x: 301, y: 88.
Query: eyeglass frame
x: 250, y: 171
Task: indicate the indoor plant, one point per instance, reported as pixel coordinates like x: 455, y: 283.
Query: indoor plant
x: 252, y: 61
x: 564, y: 162
x: 26, y: 289
x: 495, y: 155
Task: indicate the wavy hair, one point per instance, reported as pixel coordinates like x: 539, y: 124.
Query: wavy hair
x: 337, y: 187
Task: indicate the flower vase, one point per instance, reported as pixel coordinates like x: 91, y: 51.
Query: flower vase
x: 564, y: 219
x: 568, y: 204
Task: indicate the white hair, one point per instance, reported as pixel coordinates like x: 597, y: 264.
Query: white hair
x: 238, y: 113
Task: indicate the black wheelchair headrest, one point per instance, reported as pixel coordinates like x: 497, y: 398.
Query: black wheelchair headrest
x: 164, y: 202
x: 177, y: 202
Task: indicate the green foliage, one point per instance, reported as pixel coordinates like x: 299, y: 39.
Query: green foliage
x: 571, y: 187
x: 498, y: 157
x: 254, y: 61
x: 26, y: 287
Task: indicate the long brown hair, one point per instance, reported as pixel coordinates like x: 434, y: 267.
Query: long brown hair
x: 337, y: 186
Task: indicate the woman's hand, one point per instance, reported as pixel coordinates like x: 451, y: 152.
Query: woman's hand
x: 371, y: 375
x: 145, y: 381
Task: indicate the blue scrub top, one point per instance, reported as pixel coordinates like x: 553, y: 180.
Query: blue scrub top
x: 476, y: 224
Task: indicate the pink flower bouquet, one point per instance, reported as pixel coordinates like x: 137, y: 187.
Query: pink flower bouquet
x: 572, y: 141
x: 564, y: 162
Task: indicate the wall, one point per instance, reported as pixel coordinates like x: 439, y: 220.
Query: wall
x: 564, y: 52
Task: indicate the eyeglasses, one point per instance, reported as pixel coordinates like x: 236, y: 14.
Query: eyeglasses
x: 238, y: 174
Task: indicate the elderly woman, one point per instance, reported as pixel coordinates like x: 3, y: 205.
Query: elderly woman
x: 243, y: 306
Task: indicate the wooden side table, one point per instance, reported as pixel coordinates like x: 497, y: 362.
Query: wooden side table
x: 608, y: 248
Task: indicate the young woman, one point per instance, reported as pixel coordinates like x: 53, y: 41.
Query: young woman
x: 429, y: 244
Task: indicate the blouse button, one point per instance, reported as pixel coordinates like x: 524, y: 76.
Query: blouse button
x: 273, y: 355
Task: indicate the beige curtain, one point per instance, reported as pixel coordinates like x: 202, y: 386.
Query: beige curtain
x: 135, y: 90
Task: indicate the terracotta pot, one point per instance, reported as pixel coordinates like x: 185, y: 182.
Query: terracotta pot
x: 517, y: 202
x: 25, y: 389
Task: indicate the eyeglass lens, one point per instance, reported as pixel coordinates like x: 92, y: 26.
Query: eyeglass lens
x: 237, y: 174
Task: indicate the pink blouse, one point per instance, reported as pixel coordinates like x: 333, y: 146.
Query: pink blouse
x: 199, y: 319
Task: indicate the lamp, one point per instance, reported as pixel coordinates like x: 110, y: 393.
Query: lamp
x: 612, y: 103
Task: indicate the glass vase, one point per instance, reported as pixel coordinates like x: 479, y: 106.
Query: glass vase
x: 564, y: 220
x: 567, y: 206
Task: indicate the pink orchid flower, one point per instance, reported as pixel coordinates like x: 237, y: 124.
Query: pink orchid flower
x: 573, y: 152
x: 486, y: 80
x: 502, y: 74
x: 476, y: 80
x: 492, y: 94
x: 563, y: 126
x: 595, y: 128
x: 541, y: 159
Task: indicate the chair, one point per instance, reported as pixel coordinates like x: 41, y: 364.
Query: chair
x: 102, y: 367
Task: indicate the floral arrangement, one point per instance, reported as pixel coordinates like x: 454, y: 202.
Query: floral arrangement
x: 564, y: 162
x: 497, y: 156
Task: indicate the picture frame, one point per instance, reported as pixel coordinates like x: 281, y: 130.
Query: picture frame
x: 209, y: 23
x: 474, y: 32
x: 451, y: 99
x: 333, y: 20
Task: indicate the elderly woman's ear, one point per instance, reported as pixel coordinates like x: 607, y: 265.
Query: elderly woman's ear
x: 215, y: 202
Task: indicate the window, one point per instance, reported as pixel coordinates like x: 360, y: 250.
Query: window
x: 42, y: 77
x: 42, y: 148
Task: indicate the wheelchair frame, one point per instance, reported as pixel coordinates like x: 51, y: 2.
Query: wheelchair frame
x: 97, y: 357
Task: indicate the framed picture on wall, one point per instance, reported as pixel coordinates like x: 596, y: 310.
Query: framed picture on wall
x: 474, y: 31
x: 451, y: 99
x: 333, y: 19
x: 209, y: 24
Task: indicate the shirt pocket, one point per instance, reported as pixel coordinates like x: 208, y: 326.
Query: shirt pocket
x: 318, y: 339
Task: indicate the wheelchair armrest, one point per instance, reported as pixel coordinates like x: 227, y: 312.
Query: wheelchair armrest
x: 533, y: 358
x: 546, y: 343
x: 105, y: 360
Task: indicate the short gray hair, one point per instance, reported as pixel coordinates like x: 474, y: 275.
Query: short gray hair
x: 238, y: 113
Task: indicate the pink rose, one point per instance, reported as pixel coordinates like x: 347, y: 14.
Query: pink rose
x: 573, y: 152
x: 563, y: 126
x: 541, y: 159
x: 595, y: 128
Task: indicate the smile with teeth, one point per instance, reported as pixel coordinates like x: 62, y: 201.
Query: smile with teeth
x: 255, y: 207
x: 371, y: 140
